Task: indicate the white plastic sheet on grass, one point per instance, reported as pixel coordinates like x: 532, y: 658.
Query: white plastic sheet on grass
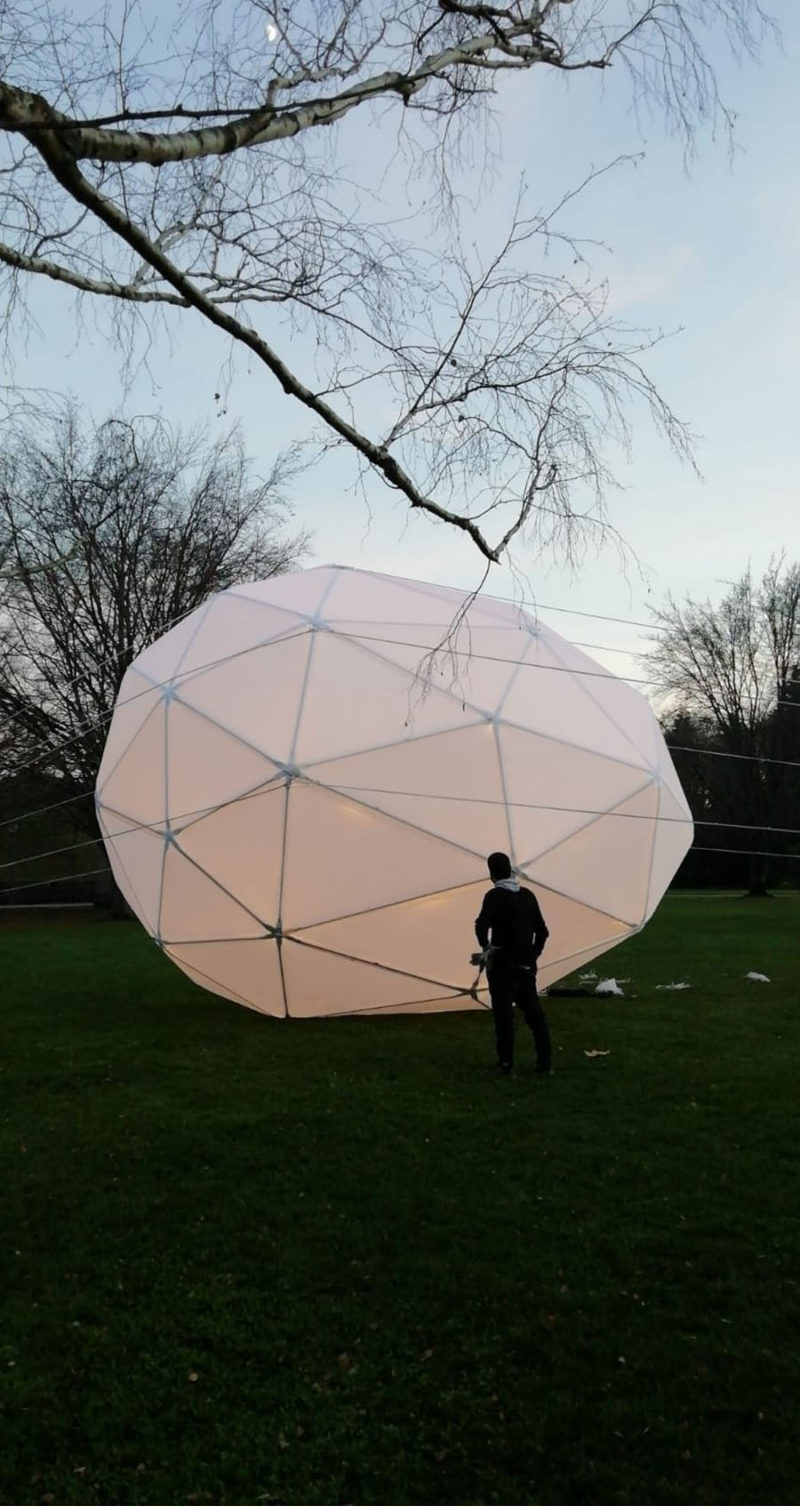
x: 300, y: 815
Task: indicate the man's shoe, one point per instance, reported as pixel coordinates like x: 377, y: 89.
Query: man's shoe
x: 500, y: 1069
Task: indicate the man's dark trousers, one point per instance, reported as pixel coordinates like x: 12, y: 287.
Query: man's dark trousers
x: 512, y: 985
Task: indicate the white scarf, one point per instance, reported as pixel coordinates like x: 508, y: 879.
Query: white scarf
x: 509, y: 883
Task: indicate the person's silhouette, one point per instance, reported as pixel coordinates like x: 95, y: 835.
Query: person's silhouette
x: 511, y: 932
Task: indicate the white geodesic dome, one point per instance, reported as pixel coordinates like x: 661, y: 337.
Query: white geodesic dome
x: 300, y: 816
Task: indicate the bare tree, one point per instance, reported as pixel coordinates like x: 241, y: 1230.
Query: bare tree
x: 111, y: 535
x: 732, y: 668
x: 196, y: 165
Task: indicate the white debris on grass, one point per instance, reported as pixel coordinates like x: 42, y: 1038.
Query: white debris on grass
x: 673, y: 986
x: 757, y: 977
x: 609, y: 986
x: 586, y: 977
x: 597, y: 1053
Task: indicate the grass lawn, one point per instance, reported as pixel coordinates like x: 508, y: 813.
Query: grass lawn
x: 330, y: 1262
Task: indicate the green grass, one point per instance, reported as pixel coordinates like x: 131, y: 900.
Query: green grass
x: 327, y: 1262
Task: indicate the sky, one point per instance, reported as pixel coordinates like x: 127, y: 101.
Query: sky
x: 708, y: 252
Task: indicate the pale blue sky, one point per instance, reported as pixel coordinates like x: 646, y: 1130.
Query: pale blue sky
x: 714, y: 250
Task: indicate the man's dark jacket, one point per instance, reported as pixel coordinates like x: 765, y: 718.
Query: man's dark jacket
x: 515, y: 925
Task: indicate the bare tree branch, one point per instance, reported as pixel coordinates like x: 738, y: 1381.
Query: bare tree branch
x: 499, y: 379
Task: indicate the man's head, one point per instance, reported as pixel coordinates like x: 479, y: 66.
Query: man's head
x: 499, y: 865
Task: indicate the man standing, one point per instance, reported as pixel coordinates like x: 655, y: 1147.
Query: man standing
x: 512, y: 928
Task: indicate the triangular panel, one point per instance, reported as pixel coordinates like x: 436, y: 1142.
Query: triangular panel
x: 245, y: 971
x: 364, y: 596
x: 359, y: 596
x: 553, y: 790
x: 207, y: 767
x: 574, y: 929
x: 631, y: 714
x: 137, y: 698
x: 355, y: 700
x: 136, y: 785
x: 161, y: 659
x: 242, y: 846
x: 299, y: 591
x: 209, y: 985
x: 140, y: 854
x: 537, y: 830
x: 674, y: 837
x: 569, y: 654
x: 433, y: 935
x: 557, y: 703
x: 322, y: 983
x: 491, y: 665
x: 256, y: 695
x: 111, y: 825
x: 342, y: 857
x: 193, y: 908
x: 476, y: 667
x: 607, y: 864
x: 448, y: 784
x: 234, y: 625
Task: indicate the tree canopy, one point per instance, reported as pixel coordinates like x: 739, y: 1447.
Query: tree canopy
x: 110, y: 533
x: 730, y: 675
